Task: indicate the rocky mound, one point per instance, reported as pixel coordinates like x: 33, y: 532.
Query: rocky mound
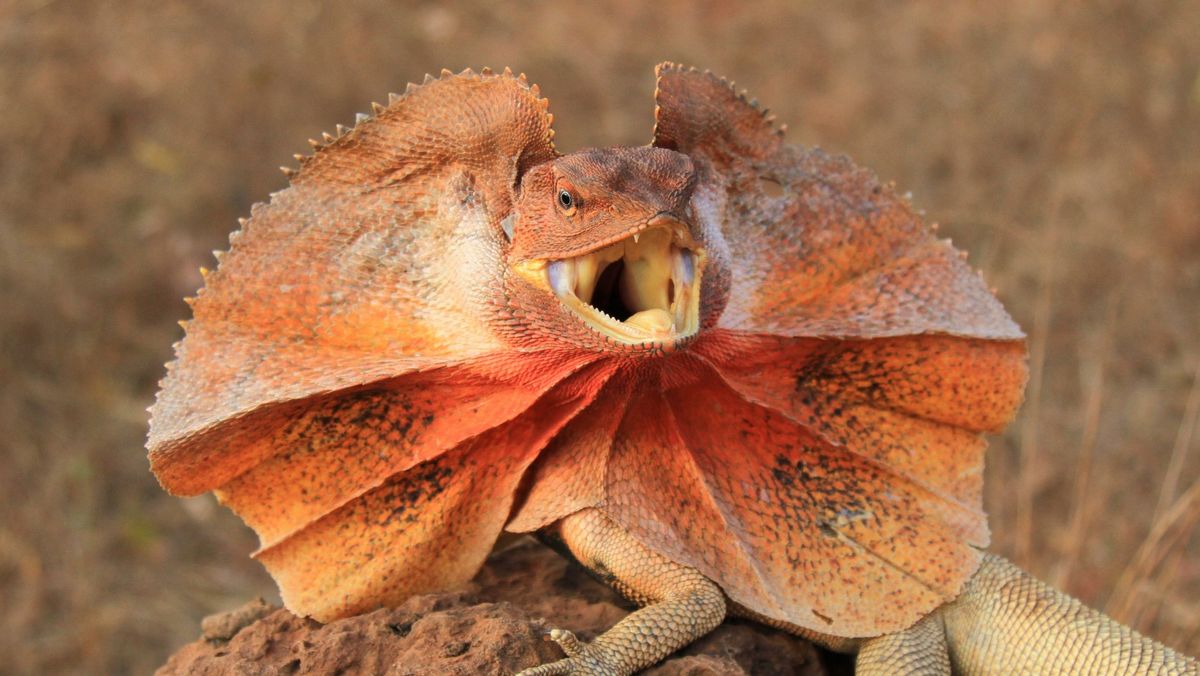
x: 494, y: 627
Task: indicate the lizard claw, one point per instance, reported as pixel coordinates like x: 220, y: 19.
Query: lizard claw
x: 566, y: 640
x: 579, y: 660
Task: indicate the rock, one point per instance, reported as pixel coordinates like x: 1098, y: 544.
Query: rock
x: 496, y: 626
x: 224, y: 626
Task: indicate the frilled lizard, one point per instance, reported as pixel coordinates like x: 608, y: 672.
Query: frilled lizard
x: 729, y: 375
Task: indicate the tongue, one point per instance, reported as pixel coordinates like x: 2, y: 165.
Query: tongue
x: 654, y: 321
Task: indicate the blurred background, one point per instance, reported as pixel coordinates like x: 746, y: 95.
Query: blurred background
x: 1059, y: 143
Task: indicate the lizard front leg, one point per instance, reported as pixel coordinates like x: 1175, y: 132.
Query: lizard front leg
x: 679, y: 603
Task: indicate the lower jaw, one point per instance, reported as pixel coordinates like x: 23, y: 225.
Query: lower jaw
x: 604, y: 344
x: 649, y: 329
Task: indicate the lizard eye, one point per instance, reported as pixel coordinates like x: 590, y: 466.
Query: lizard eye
x: 566, y: 201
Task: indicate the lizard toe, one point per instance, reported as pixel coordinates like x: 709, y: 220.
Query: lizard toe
x: 566, y: 640
x: 582, y: 659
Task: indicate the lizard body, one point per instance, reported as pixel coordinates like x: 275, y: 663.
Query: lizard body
x: 731, y: 374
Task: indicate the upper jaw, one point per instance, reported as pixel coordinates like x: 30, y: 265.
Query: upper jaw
x: 641, y: 290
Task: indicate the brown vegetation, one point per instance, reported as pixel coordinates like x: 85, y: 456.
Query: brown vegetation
x: 1059, y: 143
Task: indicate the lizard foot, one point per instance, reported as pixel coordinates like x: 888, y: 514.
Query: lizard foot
x: 679, y: 604
x: 582, y: 659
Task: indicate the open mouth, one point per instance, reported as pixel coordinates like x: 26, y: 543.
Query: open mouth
x: 644, y: 288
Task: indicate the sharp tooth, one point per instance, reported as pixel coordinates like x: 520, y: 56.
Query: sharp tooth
x: 636, y: 236
x: 683, y: 266
x: 587, y: 270
x: 561, y: 275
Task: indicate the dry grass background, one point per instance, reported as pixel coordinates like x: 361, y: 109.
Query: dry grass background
x: 1058, y: 142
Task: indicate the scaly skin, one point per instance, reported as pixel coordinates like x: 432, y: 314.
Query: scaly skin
x: 755, y: 359
x: 680, y: 604
x: 1004, y: 621
x: 1006, y: 617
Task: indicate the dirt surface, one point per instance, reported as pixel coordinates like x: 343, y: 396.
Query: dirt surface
x: 497, y: 626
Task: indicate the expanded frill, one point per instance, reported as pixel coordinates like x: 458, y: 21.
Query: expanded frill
x: 754, y: 358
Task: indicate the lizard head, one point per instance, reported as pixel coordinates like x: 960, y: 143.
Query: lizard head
x: 603, y: 238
